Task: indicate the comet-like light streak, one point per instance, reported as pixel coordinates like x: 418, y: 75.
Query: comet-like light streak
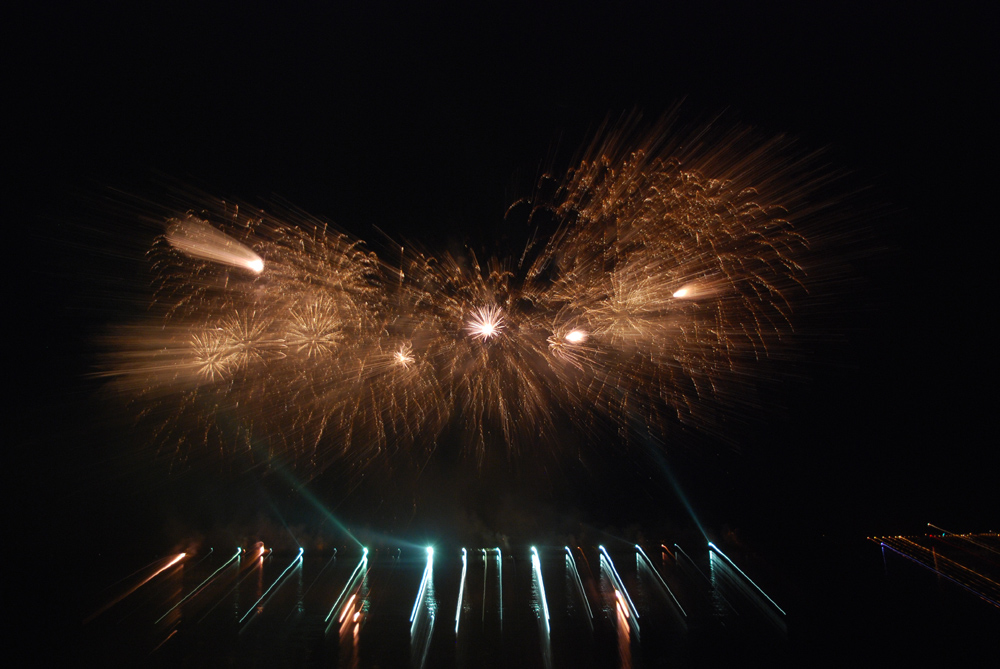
x: 198, y: 239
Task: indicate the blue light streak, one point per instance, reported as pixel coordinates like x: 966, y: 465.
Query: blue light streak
x: 939, y: 573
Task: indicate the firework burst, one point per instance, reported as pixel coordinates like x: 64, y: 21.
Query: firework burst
x: 486, y: 323
x: 669, y: 276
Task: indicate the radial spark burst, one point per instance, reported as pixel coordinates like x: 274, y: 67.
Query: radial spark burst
x: 668, y: 278
x: 486, y: 323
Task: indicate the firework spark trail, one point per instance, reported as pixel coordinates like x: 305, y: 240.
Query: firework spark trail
x: 665, y: 284
x: 196, y: 238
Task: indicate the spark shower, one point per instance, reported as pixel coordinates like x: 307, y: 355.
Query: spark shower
x: 659, y: 276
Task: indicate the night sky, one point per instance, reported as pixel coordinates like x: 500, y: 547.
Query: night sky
x: 428, y: 124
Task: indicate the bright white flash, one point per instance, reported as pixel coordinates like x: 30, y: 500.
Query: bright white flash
x: 683, y: 292
x: 404, y: 355
x: 198, y: 239
x: 486, y: 323
x: 576, y: 336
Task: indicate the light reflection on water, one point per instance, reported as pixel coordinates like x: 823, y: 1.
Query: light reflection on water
x: 353, y: 612
x: 423, y: 615
x: 540, y: 606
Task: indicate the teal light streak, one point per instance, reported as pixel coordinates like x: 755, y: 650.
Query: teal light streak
x: 297, y: 560
x: 537, y: 566
x: 500, y: 578
x: 200, y: 585
x: 579, y: 583
x: 723, y: 555
x: 660, y: 578
x: 618, y: 582
x: 461, y: 589
x: 350, y: 581
x: 485, y: 572
x: 300, y: 487
x: 423, y: 587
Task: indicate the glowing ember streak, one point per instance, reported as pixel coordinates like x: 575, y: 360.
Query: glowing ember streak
x: 175, y: 560
x: 486, y: 322
x: 347, y: 608
x: 198, y: 239
x: 619, y: 586
x: 355, y: 576
x: 201, y: 585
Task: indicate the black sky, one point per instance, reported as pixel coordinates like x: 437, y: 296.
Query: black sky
x: 430, y: 122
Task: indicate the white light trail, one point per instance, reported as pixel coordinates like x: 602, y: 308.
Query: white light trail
x: 201, y: 585
x: 423, y: 586
x: 350, y: 581
x: 461, y: 589
x: 199, y: 239
x: 666, y: 587
x: 606, y: 559
x: 579, y: 583
x: 297, y: 560
x: 723, y: 555
x: 537, y: 566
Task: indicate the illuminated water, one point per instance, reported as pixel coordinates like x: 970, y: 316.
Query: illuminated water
x: 398, y: 607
